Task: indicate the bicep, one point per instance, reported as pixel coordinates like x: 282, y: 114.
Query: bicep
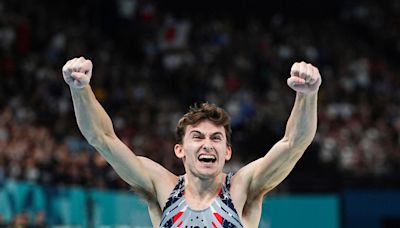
x: 127, y: 165
x: 267, y: 172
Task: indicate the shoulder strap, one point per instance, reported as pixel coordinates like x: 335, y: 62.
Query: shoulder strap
x: 228, y: 180
x: 177, y: 193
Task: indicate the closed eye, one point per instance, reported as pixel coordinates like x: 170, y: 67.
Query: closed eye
x: 198, y: 137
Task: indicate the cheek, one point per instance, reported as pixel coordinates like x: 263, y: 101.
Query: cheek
x: 190, y: 149
x: 222, y: 151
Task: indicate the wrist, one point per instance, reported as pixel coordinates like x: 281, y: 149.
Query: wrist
x: 79, y: 88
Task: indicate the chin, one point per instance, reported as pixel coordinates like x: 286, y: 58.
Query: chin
x: 208, y: 173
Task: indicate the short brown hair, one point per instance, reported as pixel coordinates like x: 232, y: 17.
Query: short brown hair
x: 204, y: 111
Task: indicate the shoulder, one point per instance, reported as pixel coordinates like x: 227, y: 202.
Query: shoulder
x: 241, y: 183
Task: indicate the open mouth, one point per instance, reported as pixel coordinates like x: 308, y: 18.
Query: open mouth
x: 207, y: 158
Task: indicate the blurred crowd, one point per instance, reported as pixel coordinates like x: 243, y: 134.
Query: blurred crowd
x: 151, y: 64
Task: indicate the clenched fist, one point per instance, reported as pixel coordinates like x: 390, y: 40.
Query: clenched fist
x: 304, y: 78
x: 77, y: 72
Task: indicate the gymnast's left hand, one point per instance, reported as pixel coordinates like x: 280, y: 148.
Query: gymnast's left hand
x: 304, y: 78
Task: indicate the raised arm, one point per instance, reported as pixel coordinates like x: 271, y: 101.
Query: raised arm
x: 96, y: 126
x: 267, y: 172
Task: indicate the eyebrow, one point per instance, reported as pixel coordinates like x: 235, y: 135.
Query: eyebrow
x: 201, y: 133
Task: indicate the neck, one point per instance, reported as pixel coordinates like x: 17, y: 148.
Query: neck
x: 203, y: 188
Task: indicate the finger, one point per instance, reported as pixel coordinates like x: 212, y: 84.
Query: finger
x: 314, y: 75
x: 87, y: 66
x: 77, y: 75
x: 66, y: 67
x: 294, y: 71
x: 83, y: 65
x: 317, y: 74
x: 77, y: 64
x: 293, y: 81
x: 77, y: 61
x: 303, y: 70
x: 309, y: 73
x: 72, y: 64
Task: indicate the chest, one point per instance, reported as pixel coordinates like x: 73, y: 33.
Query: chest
x: 248, y: 212
x: 220, y: 213
x: 250, y: 218
x: 182, y: 210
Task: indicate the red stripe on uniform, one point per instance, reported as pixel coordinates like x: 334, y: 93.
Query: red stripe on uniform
x: 177, y: 216
x: 219, y: 217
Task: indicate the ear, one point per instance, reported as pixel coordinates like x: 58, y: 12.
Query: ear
x: 228, y: 154
x: 178, y: 148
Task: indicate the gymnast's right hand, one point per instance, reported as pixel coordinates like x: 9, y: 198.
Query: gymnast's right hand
x: 77, y: 72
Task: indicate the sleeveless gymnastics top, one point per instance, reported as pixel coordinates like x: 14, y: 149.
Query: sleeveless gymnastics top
x: 220, y: 214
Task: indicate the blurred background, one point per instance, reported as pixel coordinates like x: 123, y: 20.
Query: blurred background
x: 153, y: 59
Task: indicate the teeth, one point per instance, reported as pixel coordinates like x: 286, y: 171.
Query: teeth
x: 204, y: 156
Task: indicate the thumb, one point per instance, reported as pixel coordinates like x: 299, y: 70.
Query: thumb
x: 294, y: 80
x: 77, y: 75
x: 79, y: 79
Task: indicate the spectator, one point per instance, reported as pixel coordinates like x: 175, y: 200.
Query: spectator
x: 168, y: 61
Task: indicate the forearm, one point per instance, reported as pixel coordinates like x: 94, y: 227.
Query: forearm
x: 93, y: 121
x: 96, y: 127
x: 302, y: 124
x: 270, y: 170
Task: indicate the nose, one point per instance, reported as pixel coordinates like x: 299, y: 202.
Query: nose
x: 208, y: 148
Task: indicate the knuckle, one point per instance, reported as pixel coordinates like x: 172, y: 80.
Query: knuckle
x: 88, y: 63
x: 295, y: 67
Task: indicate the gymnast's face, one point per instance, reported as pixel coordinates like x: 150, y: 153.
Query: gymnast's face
x: 204, y: 149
